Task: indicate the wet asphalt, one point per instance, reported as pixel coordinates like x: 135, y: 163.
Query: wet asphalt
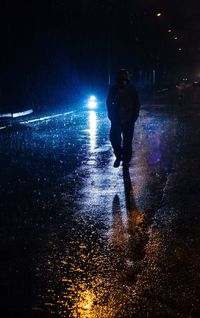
x: 82, y: 239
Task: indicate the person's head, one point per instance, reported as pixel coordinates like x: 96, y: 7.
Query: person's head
x: 122, y: 77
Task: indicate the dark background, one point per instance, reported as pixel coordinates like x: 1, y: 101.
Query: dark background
x: 57, y: 52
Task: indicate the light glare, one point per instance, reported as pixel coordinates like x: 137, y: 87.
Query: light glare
x: 92, y: 102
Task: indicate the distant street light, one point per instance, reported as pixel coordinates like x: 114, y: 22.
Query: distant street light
x: 169, y: 31
x: 175, y: 38
x: 158, y: 14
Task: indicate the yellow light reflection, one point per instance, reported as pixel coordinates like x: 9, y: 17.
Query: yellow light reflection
x: 84, y: 307
x: 88, y: 305
x: 92, y: 128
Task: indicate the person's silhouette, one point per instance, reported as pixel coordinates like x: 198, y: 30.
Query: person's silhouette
x: 123, y: 110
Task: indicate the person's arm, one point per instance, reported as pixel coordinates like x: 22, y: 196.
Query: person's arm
x: 109, y: 103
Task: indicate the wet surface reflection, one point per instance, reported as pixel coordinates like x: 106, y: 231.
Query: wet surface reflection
x: 93, y: 274
x: 92, y: 128
x: 88, y: 240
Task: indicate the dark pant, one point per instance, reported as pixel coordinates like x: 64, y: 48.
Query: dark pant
x: 121, y: 136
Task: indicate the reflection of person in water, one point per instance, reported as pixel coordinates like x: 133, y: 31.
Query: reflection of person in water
x: 118, y: 236
x: 134, y: 218
x: 129, y: 196
x: 135, y: 221
x: 127, y: 237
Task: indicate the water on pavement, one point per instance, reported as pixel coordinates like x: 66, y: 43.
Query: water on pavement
x: 80, y: 238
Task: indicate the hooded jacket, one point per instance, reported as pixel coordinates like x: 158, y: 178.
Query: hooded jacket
x: 123, y: 104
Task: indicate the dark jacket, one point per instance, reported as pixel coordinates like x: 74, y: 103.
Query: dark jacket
x: 123, y: 104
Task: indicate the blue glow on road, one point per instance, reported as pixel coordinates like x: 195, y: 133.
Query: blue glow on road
x: 4, y: 127
x: 6, y: 115
x: 44, y: 118
x: 40, y: 119
x: 92, y: 129
x: 18, y: 114
x: 24, y: 113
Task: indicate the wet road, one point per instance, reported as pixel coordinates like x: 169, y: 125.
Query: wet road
x: 80, y: 238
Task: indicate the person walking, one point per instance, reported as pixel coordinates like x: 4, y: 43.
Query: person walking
x: 123, y: 110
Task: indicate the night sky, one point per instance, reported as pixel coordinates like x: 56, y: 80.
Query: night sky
x: 55, y: 52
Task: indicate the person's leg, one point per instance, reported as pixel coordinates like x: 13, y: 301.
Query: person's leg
x: 128, y: 130
x: 115, y: 139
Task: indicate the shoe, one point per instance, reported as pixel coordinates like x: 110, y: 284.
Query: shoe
x: 117, y: 163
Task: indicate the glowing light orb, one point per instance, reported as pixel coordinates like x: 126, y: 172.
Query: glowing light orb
x: 92, y: 102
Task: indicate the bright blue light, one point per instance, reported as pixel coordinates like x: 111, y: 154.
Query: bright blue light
x: 92, y: 102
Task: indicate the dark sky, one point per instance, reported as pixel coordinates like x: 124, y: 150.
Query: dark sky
x: 56, y: 48
x: 70, y: 24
